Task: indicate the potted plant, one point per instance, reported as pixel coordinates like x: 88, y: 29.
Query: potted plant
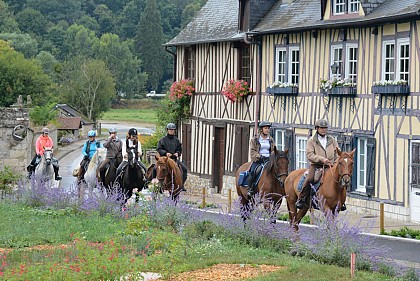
x: 391, y: 87
x: 283, y: 88
x: 179, y: 99
x: 236, y: 90
x: 338, y: 87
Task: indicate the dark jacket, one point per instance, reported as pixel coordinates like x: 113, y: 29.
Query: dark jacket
x: 169, y: 143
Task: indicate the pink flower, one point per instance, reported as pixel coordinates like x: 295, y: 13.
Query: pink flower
x: 235, y: 90
x: 182, y: 88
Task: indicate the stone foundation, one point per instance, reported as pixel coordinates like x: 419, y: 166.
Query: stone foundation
x: 372, y: 208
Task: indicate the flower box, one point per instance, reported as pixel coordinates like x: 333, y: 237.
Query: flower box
x: 282, y: 91
x: 391, y: 89
x: 341, y: 91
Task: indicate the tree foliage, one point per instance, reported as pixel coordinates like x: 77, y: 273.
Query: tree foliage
x: 20, y: 76
x: 88, y: 86
x: 8, y: 23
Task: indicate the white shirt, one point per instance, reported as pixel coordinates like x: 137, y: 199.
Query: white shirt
x: 323, y: 141
x: 130, y: 144
x: 265, y: 147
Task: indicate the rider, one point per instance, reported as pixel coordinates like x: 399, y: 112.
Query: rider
x: 113, y: 153
x: 261, y: 146
x: 320, y: 152
x: 43, y: 141
x: 131, y: 142
x: 170, y: 146
x: 88, y: 150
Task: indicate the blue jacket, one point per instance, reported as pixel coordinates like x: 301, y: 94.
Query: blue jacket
x: 93, y: 145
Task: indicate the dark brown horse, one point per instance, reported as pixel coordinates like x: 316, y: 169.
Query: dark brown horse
x: 169, y: 176
x: 333, y: 190
x: 271, y: 184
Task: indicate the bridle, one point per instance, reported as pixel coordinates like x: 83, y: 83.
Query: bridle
x: 341, y: 177
x: 279, y: 175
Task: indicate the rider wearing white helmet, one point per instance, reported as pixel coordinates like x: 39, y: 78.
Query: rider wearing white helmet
x: 43, y: 141
x: 113, y: 153
x: 88, y: 150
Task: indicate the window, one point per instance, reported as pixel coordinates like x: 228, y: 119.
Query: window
x: 287, y: 64
x: 280, y: 139
x: 361, y: 164
x: 396, y: 59
x: 301, y: 161
x: 190, y: 62
x: 245, y: 63
x: 348, y: 59
x: 415, y: 165
x: 341, y: 7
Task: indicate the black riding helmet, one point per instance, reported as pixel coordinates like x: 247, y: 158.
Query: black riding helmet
x: 132, y: 132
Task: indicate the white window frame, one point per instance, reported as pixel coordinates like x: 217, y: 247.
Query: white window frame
x: 335, y: 48
x: 398, y: 73
x: 301, y: 160
x: 341, y: 7
x: 284, y: 63
x: 349, y: 60
x: 385, y: 58
x: 287, y: 63
x: 353, y: 3
x: 361, y: 186
x: 280, y: 139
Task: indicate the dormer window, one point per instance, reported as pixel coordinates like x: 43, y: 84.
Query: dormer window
x: 342, y: 7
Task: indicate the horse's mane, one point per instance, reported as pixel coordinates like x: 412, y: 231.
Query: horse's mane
x: 272, y: 162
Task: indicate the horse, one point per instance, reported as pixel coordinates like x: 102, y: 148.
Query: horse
x: 332, y: 192
x: 132, y: 175
x: 90, y: 177
x: 45, y: 170
x: 110, y: 174
x: 270, y: 186
x: 169, y: 175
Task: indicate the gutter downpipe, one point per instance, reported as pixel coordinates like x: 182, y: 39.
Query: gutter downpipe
x: 258, y: 43
x: 174, y: 66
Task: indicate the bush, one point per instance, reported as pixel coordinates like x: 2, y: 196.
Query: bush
x: 8, y: 177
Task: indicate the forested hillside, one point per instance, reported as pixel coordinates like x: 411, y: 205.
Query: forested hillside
x: 87, y: 53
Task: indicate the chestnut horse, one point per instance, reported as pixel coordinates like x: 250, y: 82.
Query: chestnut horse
x: 169, y: 176
x: 332, y: 191
x: 270, y: 186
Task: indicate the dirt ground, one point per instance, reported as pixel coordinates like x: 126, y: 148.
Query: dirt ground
x: 226, y: 272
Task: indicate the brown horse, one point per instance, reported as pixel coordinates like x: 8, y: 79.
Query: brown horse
x: 332, y: 191
x: 270, y: 186
x: 169, y: 176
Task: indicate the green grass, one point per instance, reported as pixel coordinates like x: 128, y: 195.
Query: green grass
x: 178, y: 252
x: 139, y: 111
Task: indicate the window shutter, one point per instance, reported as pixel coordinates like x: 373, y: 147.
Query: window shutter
x: 289, y: 144
x: 353, y: 145
x: 370, y: 166
x: 237, y: 161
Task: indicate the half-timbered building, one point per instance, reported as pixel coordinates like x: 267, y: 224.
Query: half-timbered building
x: 303, y: 45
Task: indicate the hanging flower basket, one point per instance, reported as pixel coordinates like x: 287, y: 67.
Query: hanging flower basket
x: 391, y: 89
x: 236, y: 90
x: 181, y: 89
x: 338, y: 87
x: 341, y: 91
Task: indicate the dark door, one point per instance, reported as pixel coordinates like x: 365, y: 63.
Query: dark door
x: 186, y: 145
x: 218, y: 158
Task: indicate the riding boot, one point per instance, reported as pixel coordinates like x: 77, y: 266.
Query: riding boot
x: 300, y: 203
x: 343, y: 207
x: 57, y: 177
x: 30, y: 169
x: 251, y: 185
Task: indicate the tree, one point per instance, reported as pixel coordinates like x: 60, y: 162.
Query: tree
x: 79, y: 41
x: 124, y: 66
x: 88, y: 86
x: 48, y: 62
x: 20, y: 76
x: 32, y: 21
x: 149, y: 40
x: 23, y: 43
x: 8, y: 23
x: 105, y: 19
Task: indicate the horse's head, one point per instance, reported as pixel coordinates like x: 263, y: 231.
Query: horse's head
x: 280, y: 165
x: 162, y: 169
x: 48, y: 154
x: 132, y: 157
x: 345, y: 167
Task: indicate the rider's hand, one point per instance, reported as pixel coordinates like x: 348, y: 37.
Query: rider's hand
x: 327, y: 162
x: 168, y: 155
x: 86, y: 157
x: 176, y: 154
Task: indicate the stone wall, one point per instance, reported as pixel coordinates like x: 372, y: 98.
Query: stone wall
x: 14, y: 152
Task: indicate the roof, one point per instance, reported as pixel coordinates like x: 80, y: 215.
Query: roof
x: 71, y: 112
x: 306, y: 14
x: 69, y: 123
x: 216, y: 21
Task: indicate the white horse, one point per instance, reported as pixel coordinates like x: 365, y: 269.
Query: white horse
x: 91, y: 177
x: 44, y: 171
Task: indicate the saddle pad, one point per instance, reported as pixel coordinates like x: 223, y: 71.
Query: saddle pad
x: 243, y: 179
x: 314, y: 188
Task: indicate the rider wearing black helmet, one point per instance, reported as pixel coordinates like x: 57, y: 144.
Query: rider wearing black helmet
x: 261, y: 146
x: 170, y: 146
x: 320, y: 152
x: 131, y: 142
